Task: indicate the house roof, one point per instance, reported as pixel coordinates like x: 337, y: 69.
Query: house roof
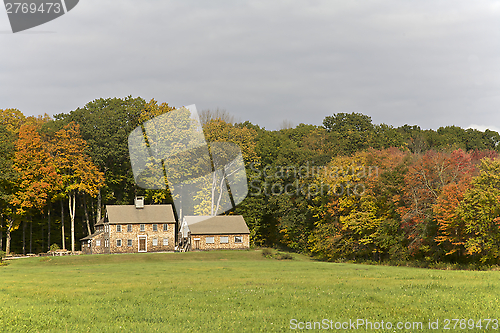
x: 92, y: 236
x: 101, y: 221
x: 124, y: 214
x: 216, y: 225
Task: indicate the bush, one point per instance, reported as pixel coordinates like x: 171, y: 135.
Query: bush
x: 54, y: 247
x: 2, y: 255
x: 267, y: 252
x: 283, y: 256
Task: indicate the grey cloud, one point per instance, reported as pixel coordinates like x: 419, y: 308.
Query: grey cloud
x: 426, y: 63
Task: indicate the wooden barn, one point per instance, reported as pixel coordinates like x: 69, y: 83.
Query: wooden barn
x: 213, y: 232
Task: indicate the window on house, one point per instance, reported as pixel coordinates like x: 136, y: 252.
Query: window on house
x: 129, y: 228
x: 106, y: 229
x: 106, y: 243
x: 118, y: 228
x: 224, y: 239
x: 209, y: 240
x: 143, y: 227
x: 165, y: 227
x: 98, y: 242
x: 238, y: 239
x: 129, y: 242
x: 155, y: 241
x: 165, y: 241
x: 155, y: 227
x: 118, y: 242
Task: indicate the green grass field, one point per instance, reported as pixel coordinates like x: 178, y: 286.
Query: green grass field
x: 232, y: 291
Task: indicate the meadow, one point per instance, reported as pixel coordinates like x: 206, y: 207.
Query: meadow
x: 236, y: 291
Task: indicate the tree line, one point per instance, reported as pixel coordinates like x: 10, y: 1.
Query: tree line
x: 346, y: 190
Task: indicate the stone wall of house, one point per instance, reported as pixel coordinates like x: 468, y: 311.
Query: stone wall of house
x: 86, y: 247
x: 99, y: 244
x: 95, y: 245
x: 217, y: 245
x: 119, y: 240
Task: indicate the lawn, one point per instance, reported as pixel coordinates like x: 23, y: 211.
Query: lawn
x: 234, y: 291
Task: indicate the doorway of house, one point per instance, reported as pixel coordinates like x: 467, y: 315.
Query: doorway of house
x: 142, y: 244
x: 196, y: 244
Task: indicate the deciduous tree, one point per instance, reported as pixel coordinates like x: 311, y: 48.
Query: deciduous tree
x: 77, y: 172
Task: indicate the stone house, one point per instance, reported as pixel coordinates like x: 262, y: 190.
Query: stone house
x: 213, y: 232
x: 133, y: 228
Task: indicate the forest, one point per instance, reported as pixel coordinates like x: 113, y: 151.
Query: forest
x: 346, y: 190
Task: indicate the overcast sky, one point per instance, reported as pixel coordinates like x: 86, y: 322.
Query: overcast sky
x: 430, y: 63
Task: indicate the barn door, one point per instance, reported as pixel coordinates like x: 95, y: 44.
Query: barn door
x: 196, y: 244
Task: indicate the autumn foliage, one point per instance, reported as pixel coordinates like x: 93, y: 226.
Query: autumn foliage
x: 436, y: 206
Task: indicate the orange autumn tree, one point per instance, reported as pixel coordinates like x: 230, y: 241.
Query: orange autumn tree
x: 10, y: 122
x: 77, y: 172
x: 427, y: 175
x: 38, y: 178
x: 451, y: 234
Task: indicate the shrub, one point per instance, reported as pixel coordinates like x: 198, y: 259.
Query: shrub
x: 54, y: 247
x: 283, y: 256
x: 267, y: 252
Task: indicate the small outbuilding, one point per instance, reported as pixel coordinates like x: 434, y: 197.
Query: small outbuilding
x: 214, y: 232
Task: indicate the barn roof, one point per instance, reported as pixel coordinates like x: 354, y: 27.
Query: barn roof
x: 124, y: 214
x: 216, y: 225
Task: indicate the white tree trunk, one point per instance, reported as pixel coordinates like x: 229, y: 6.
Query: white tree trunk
x: 214, y: 185
x: 71, y: 204
x: 220, y: 194
x: 62, y: 226
x: 9, y: 229
x: 98, y: 218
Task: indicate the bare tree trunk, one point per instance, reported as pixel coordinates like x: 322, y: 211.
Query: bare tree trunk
x: 71, y: 204
x: 62, y: 225
x: 214, y: 185
x: 86, y: 214
x: 31, y: 234
x: 48, y: 233
x: 9, y: 229
x: 24, y: 237
x: 98, y: 217
x: 93, y: 214
x: 220, y: 195
x: 43, y: 238
x: 1, y: 232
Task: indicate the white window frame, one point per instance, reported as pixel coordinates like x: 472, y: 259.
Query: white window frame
x: 130, y: 242
x: 165, y: 227
x: 142, y: 227
x: 129, y: 227
x: 165, y: 241
x: 155, y: 227
x: 119, y: 242
x: 97, y: 242
x: 210, y: 240
x: 224, y: 239
x: 118, y: 228
x: 236, y: 239
x: 155, y: 241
